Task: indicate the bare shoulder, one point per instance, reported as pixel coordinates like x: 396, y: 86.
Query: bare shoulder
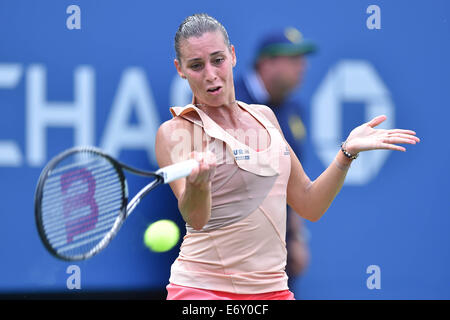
x: 176, y: 123
x: 172, y: 135
x: 173, y: 128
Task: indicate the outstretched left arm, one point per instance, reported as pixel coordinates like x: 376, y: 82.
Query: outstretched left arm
x: 312, y: 199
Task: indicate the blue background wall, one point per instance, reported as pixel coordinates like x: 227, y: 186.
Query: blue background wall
x: 398, y: 219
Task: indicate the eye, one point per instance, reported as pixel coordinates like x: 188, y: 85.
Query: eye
x: 218, y: 60
x: 196, y: 66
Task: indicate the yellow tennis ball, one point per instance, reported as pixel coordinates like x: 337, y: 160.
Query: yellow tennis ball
x: 161, y: 235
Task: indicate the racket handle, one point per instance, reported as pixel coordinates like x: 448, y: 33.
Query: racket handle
x: 177, y: 170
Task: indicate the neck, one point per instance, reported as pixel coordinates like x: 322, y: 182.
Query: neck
x: 225, y: 113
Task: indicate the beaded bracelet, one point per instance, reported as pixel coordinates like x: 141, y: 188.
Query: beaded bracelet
x: 346, y: 153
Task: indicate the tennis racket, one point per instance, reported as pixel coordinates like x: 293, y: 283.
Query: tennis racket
x: 81, y: 200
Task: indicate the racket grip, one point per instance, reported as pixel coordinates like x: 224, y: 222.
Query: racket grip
x: 177, y: 170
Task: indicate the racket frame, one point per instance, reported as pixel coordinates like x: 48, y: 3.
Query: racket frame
x: 125, y: 209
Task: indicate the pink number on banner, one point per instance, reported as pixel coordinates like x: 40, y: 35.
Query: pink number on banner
x: 79, y: 200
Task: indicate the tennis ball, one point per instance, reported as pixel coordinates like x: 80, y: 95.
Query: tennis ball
x: 161, y: 235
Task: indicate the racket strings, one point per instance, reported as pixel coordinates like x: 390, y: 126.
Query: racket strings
x: 82, y: 200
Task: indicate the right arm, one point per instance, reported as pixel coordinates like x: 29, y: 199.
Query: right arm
x: 174, y: 143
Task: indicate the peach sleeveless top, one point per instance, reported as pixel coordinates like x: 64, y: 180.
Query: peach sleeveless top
x: 242, y: 248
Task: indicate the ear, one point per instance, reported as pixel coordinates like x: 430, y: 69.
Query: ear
x: 178, y: 67
x: 233, y: 56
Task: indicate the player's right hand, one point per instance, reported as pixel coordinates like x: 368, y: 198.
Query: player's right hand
x: 202, y: 175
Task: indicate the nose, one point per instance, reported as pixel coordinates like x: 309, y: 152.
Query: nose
x: 210, y: 73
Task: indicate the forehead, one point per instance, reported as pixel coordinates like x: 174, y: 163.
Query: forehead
x: 286, y: 59
x: 207, y: 43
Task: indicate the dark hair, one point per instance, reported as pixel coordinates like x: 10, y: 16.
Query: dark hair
x: 195, y: 26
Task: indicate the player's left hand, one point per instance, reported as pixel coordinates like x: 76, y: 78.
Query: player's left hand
x: 366, y: 137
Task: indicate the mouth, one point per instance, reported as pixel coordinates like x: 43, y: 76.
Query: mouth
x: 214, y: 90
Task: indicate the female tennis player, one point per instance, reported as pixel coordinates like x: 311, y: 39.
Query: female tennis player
x: 235, y: 211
